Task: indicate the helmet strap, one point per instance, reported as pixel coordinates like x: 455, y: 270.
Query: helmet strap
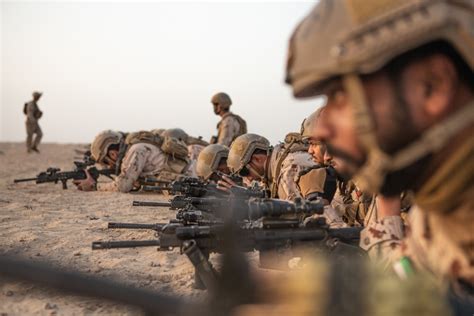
x: 378, y: 164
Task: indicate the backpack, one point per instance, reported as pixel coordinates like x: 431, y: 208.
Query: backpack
x: 242, y: 124
x: 170, y: 146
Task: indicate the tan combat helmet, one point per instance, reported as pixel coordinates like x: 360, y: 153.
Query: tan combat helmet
x: 209, y: 159
x: 176, y: 133
x: 102, y: 142
x: 242, y: 148
x: 158, y: 131
x: 348, y: 38
x: 309, y: 124
x: 222, y: 99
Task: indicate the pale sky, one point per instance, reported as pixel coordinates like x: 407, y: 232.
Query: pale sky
x: 136, y: 66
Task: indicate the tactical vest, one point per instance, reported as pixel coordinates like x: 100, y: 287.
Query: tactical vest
x: 293, y: 143
x: 242, y: 125
x: 330, y: 182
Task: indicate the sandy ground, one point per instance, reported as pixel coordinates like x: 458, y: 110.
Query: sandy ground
x: 44, y: 222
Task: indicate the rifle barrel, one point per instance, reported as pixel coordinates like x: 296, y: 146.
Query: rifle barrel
x: 24, y: 180
x: 153, y: 204
x: 136, y: 226
x: 124, y: 244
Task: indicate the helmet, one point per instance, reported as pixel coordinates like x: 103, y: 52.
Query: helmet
x: 308, y: 125
x: 158, y: 131
x: 37, y: 94
x: 177, y: 133
x: 350, y: 38
x: 209, y: 159
x: 222, y: 99
x: 343, y: 37
x: 101, y: 144
x: 242, y: 149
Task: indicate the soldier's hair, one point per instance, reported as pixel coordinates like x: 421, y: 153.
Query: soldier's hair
x: 464, y: 71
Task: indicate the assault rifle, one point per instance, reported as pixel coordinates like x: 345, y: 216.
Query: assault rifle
x: 195, y: 187
x: 187, y: 186
x: 55, y: 175
x: 251, y: 209
x: 268, y: 237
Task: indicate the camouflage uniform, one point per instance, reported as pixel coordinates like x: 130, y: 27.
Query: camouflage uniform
x: 289, y: 181
x: 33, y: 114
x: 342, y: 39
x: 351, y: 203
x: 142, y: 154
x: 435, y: 241
x: 141, y: 160
x: 228, y: 129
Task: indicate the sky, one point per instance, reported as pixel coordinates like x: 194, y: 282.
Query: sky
x: 133, y: 66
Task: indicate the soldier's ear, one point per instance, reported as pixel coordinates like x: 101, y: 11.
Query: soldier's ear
x: 440, y: 86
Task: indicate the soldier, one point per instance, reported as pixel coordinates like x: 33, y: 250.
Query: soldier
x: 318, y: 151
x: 211, y: 161
x: 349, y: 201
x: 285, y: 170
x: 399, y: 82
x: 231, y: 125
x: 137, y: 155
x: 33, y: 114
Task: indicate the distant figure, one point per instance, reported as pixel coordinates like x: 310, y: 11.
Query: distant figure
x: 231, y: 125
x: 33, y: 114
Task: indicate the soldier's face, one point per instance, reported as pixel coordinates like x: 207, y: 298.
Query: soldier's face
x: 223, y: 167
x: 256, y: 167
x: 337, y: 130
x: 317, y: 150
x: 216, y: 108
x: 402, y: 103
x: 111, y: 158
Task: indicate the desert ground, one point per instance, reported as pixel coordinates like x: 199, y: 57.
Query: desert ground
x: 44, y: 222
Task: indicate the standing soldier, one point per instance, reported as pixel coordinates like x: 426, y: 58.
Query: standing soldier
x: 231, y: 125
x: 33, y: 114
x: 399, y: 82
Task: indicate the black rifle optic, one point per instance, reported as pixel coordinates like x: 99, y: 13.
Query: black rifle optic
x: 55, y: 175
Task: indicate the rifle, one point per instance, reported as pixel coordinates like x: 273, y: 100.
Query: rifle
x: 252, y: 208
x: 184, y: 218
x: 55, y: 175
x: 197, y: 242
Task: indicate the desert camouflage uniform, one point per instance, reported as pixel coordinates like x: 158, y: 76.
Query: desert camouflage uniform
x: 194, y: 151
x: 351, y: 203
x: 287, y: 181
x: 228, y: 129
x: 33, y: 114
x: 141, y: 160
x: 439, y: 242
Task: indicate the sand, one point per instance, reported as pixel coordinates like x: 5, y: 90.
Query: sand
x: 45, y: 222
